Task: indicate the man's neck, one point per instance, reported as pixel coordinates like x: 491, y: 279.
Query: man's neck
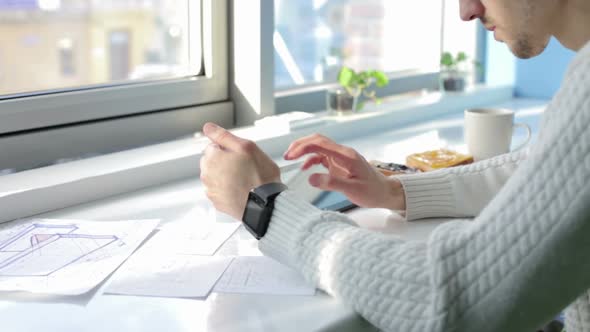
x: 573, y: 30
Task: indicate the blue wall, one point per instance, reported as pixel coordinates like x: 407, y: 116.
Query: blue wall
x: 500, y: 63
x: 541, y: 76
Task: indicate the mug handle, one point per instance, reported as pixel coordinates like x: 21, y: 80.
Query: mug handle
x: 528, y: 137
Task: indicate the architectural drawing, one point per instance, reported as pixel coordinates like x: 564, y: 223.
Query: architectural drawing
x: 66, y: 257
x: 43, y: 249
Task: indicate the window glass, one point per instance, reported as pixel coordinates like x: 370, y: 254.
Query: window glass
x: 459, y: 36
x: 68, y: 44
x: 314, y: 38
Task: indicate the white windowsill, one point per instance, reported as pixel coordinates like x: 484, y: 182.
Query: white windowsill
x: 49, y: 188
x: 393, y: 76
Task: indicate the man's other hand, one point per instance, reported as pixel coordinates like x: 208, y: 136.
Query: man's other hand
x: 230, y: 167
x: 348, y: 173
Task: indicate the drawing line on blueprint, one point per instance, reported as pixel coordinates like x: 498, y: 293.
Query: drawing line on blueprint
x: 43, y: 249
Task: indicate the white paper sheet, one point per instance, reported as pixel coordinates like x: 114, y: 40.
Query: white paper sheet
x: 168, y: 275
x: 191, y: 238
x: 65, y: 257
x: 262, y: 275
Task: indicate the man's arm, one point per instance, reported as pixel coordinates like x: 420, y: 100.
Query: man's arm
x: 453, y: 192
x: 521, y: 260
x: 459, y: 191
x: 513, y: 268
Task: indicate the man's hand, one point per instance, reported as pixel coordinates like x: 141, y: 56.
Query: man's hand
x: 348, y: 173
x: 231, y: 167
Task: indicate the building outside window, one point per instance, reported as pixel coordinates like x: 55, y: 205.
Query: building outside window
x: 115, y: 42
x: 66, y: 57
x: 89, y: 77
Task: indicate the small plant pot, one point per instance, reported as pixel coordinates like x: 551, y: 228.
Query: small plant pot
x: 453, y: 81
x: 340, y: 102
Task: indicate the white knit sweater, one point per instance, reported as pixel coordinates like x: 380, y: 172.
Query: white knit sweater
x: 513, y: 268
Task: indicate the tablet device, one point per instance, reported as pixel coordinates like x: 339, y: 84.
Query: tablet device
x: 298, y: 181
x: 333, y: 201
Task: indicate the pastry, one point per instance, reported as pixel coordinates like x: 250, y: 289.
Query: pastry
x: 437, y: 159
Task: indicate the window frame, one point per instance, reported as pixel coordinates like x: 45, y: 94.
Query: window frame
x: 311, y: 97
x: 82, y: 181
x: 58, y: 108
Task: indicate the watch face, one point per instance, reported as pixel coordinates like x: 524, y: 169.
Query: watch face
x: 259, y: 208
x: 253, y: 212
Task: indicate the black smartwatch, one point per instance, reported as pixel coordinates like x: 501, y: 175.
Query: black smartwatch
x: 259, y: 208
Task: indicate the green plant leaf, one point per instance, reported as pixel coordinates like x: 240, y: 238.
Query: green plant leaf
x: 364, y: 76
x: 380, y: 78
x: 346, y: 76
x: 362, y: 81
x: 446, y: 59
x: 461, y: 57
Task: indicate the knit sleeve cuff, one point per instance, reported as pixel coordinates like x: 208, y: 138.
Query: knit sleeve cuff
x: 428, y: 195
x: 290, y: 224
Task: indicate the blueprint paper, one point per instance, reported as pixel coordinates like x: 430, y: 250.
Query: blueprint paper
x: 192, y: 238
x: 262, y: 275
x: 168, y: 275
x: 65, y: 257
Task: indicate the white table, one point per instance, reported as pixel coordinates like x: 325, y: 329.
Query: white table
x: 226, y: 312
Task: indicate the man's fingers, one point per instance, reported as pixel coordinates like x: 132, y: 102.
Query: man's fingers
x: 222, y: 137
x: 299, y: 142
x: 211, y: 148
x: 314, y: 160
x: 331, y: 183
x: 302, y: 141
x: 343, y: 157
x: 321, y: 145
x: 295, y: 149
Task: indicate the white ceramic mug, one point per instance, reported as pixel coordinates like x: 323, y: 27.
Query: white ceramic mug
x: 489, y: 131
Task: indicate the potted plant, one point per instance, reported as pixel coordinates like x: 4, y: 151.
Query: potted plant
x: 454, y: 71
x: 353, y: 85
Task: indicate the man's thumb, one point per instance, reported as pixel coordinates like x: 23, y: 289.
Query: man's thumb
x: 210, y: 128
x: 221, y: 136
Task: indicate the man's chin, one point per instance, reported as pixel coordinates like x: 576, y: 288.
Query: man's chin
x: 525, y: 49
x: 521, y: 54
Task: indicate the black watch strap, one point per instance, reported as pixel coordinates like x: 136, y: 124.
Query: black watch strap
x: 260, y: 206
